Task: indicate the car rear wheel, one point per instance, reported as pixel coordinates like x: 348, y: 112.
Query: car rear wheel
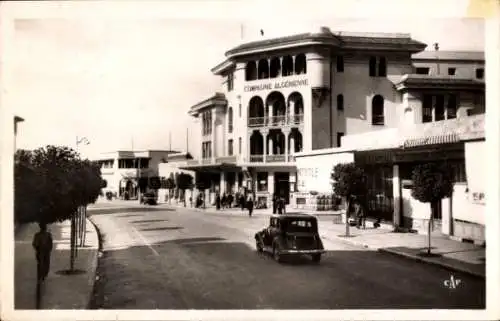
x: 276, y: 253
x: 316, y: 258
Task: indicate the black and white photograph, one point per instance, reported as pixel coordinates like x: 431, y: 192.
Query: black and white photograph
x: 295, y: 160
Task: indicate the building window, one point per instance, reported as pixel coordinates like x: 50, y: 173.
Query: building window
x: 239, y: 145
x: 451, y: 107
x: 206, y: 122
x: 479, y: 73
x: 340, y: 102
x: 427, y: 109
x: 422, y: 71
x: 339, y: 139
x: 451, y: 71
x: 230, y: 119
x: 230, y: 147
x: 230, y: 82
x: 382, y: 67
x: 262, y: 181
x: 373, y: 66
x: 439, y: 108
x: 378, y: 110
x: 340, y: 63
x: 206, y: 151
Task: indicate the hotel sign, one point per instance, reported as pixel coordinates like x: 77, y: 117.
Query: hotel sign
x: 277, y: 85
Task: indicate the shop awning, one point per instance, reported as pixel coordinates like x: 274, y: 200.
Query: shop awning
x: 212, y: 167
x: 431, y: 140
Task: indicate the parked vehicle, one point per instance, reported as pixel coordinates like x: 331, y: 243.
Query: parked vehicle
x: 291, y: 235
x: 149, y: 198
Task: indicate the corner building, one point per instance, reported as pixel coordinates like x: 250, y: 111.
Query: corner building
x: 290, y: 108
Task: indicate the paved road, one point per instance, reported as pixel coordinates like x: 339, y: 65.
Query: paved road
x: 155, y: 258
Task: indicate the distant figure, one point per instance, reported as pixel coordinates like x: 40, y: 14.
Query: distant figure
x: 217, y: 202
x: 275, y: 203
x: 281, y: 205
x: 250, y: 205
x: 42, y: 243
x: 242, y: 202
x: 230, y: 200
x: 224, y: 200
x: 191, y: 201
x: 360, y: 214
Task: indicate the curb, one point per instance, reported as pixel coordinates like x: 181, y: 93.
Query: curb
x: 93, y: 267
x: 430, y: 262
x: 408, y: 256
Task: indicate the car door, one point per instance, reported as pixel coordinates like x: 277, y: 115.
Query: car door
x: 268, y: 232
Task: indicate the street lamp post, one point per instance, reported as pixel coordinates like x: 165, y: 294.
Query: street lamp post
x: 82, y: 210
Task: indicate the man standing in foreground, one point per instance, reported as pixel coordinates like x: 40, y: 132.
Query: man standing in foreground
x: 42, y: 243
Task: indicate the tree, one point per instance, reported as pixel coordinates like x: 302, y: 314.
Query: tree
x: 431, y: 183
x: 51, y: 184
x: 348, y: 180
x: 184, y: 182
x: 176, y: 190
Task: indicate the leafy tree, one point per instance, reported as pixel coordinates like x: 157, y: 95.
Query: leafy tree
x: 184, y: 182
x: 51, y: 184
x: 431, y: 183
x: 170, y: 183
x: 348, y: 180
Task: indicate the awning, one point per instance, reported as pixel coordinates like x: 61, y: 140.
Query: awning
x: 431, y: 140
x: 211, y: 167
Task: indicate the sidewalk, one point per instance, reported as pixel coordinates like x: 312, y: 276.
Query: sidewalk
x: 61, y: 291
x: 453, y: 255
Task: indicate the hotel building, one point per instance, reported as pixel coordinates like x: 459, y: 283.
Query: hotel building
x: 290, y: 108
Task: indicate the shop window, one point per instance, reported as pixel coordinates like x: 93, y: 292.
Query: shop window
x: 427, y: 109
x: 230, y: 82
x: 451, y: 71
x: 480, y: 73
x: 262, y: 181
x: 340, y: 63
x: 382, y: 67
x: 378, y: 110
x: 422, y: 71
x: 340, y: 102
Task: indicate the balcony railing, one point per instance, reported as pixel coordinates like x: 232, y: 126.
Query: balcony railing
x: 207, y: 161
x: 278, y: 121
x: 275, y: 158
x: 226, y: 159
x: 280, y: 158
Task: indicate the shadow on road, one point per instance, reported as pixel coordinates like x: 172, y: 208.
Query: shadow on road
x: 148, y: 221
x: 167, y: 228
x: 212, y: 273
x: 100, y: 211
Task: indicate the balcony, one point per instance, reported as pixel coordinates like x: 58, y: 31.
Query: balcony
x: 226, y: 159
x: 279, y: 158
x: 276, y: 121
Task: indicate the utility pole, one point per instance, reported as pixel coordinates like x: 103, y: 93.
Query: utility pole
x: 170, y: 141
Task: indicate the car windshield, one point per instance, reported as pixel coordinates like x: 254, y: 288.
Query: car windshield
x: 300, y: 225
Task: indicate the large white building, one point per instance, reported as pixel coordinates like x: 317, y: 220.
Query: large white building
x: 290, y: 108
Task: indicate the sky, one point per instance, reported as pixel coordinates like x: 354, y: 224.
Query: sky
x: 128, y: 80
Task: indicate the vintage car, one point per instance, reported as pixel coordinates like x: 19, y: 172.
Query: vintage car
x: 291, y: 234
x: 148, y: 198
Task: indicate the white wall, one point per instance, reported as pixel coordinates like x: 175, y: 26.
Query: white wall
x: 314, y: 172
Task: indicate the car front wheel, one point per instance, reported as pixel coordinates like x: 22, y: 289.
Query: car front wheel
x: 316, y: 258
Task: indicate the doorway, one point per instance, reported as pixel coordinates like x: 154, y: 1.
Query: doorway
x: 282, y: 185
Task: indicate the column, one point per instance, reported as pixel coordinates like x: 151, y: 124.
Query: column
x: 286, y: 132
x: 222, y: 184
x: 254, y: 183
x: 237, y: 182
x: 396, y: 192
x: 291, y: 107
x: 270, y: 189
x: 264, y: 134
x: 214, y: 136
x: 270, y: 113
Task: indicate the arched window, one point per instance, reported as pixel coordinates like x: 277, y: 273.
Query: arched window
x: 373, y: 66
x: 275, y: 68
x: 251, y: 71
x: 378, y: 110
x: 300, y: 64
x: 263, y: 69
x: 382, y: 67
x: 230, y: 120
x: 340, y: 102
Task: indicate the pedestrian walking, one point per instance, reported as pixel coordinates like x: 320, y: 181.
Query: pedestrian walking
x: 224, y: 201
x: 281, y: 205
x: 42, y: 243
x: 250, y: 205
x: 275, y: 203
x: 242, y: 202
x: 230, y: 200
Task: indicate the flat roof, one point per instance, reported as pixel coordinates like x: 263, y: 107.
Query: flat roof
x: 458, y: 55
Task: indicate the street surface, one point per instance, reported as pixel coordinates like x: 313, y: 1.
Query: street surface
x: 160, y: 258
